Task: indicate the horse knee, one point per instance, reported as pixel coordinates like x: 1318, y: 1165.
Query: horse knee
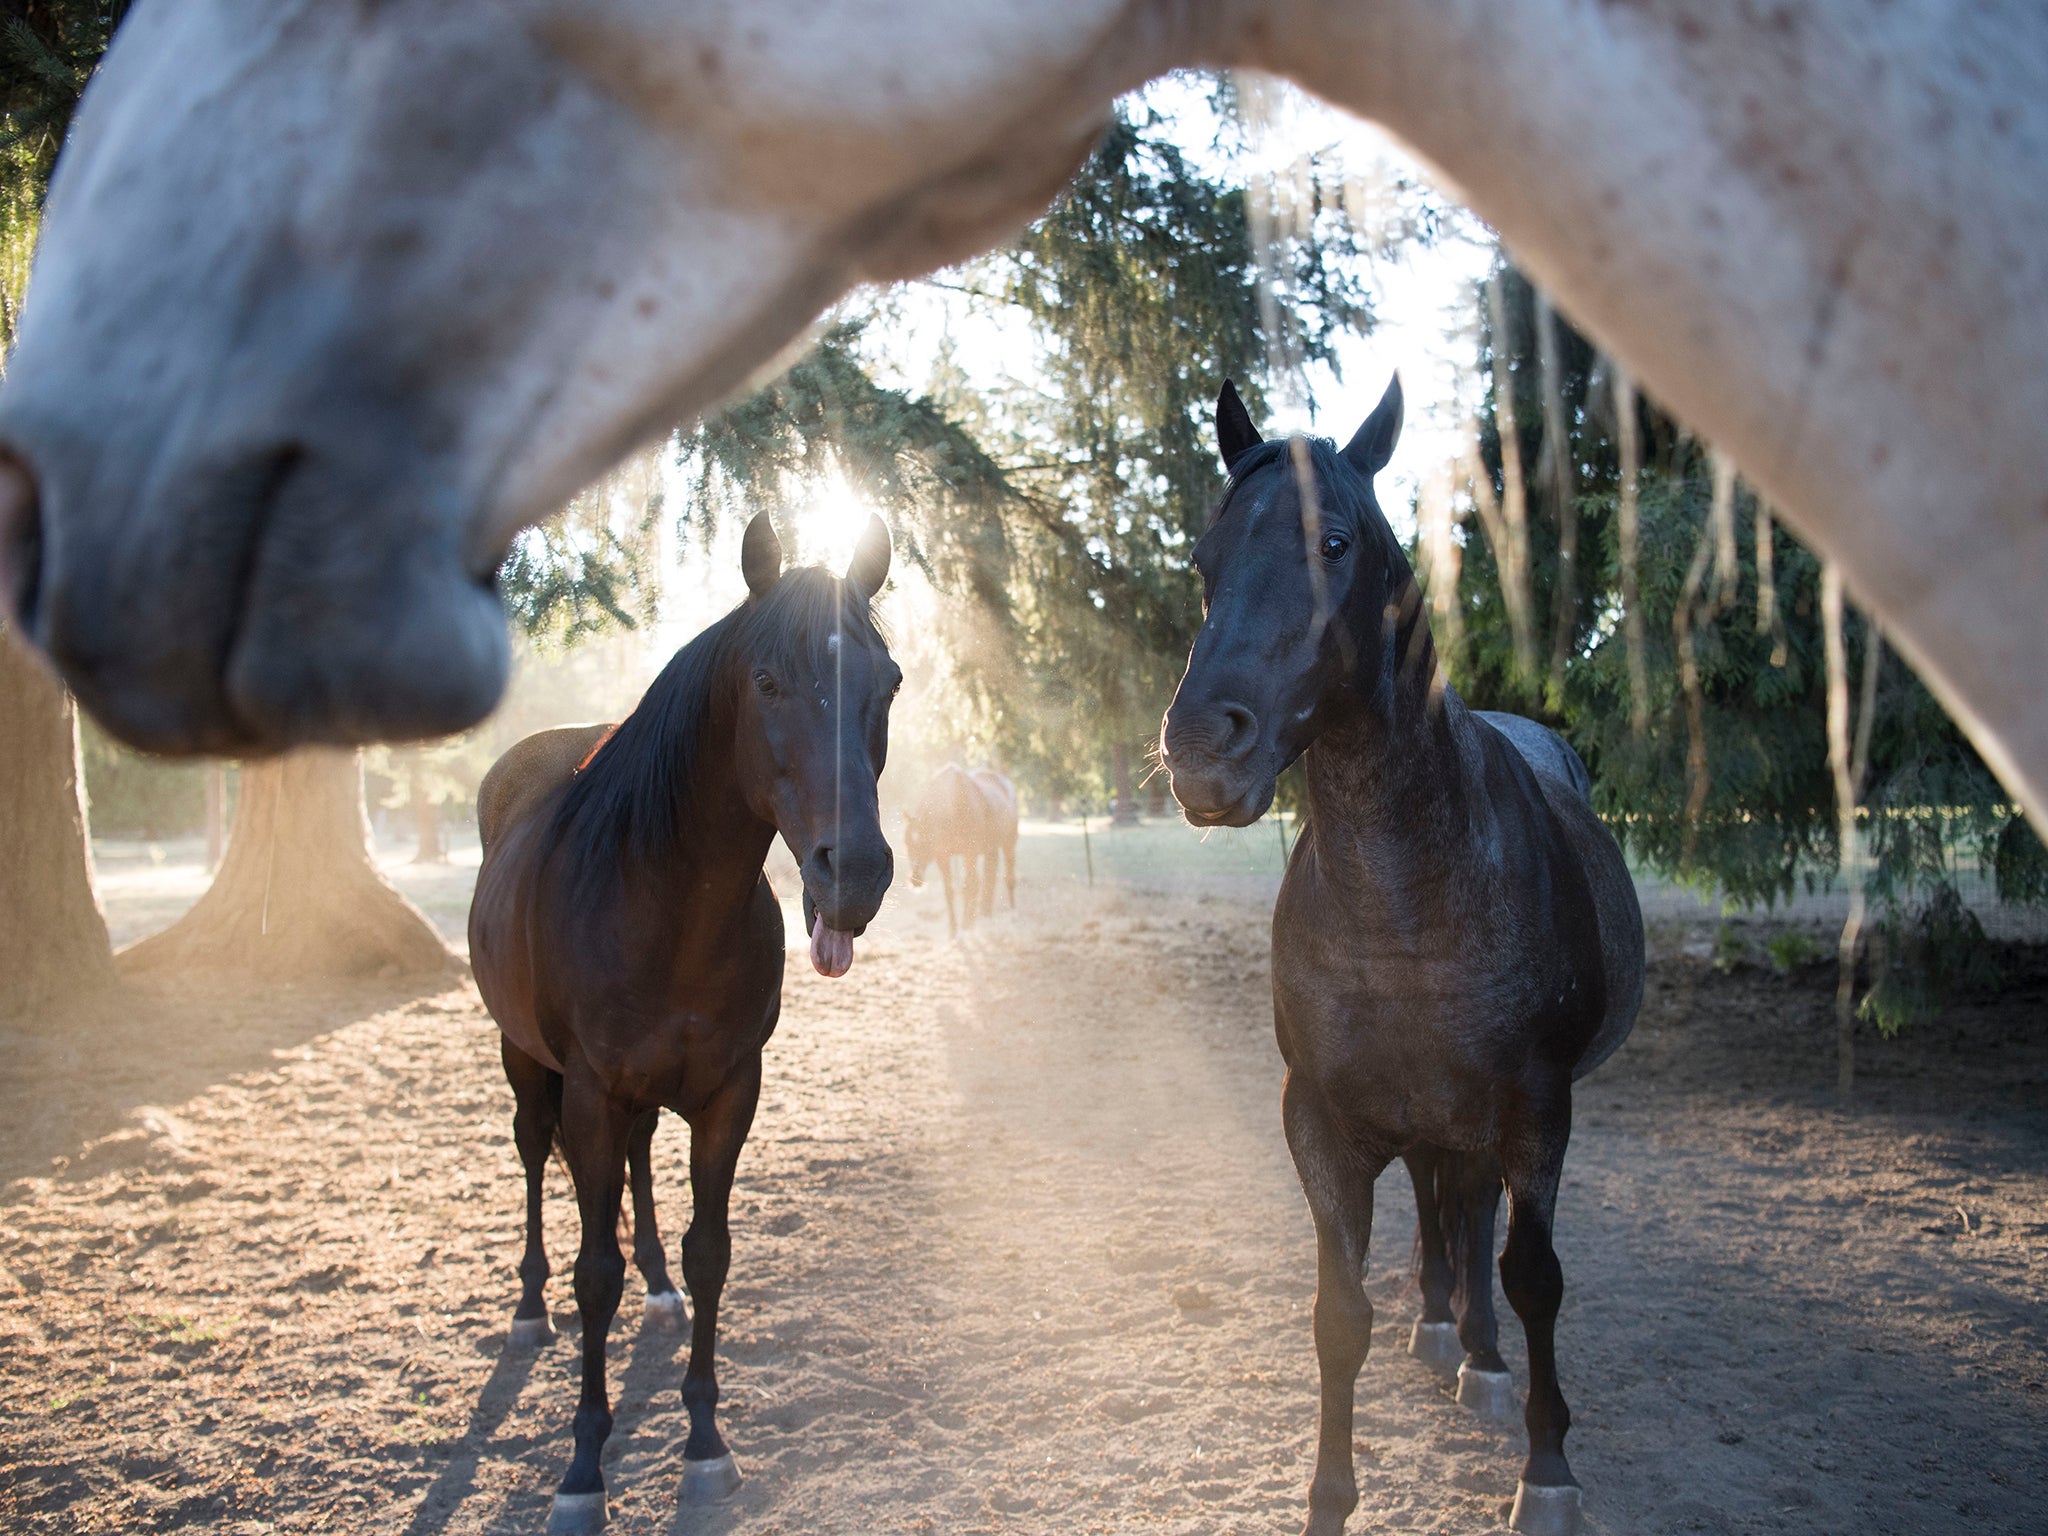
x: 705, y: 1256
x: 600, y: 1279
x: 1530, y: 1275
x: 532, y: 1131
x: 1343, y: 1323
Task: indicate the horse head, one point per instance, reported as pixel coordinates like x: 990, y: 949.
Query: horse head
x: 812, y: 685
x: 332, y: 300
x: 918, y: 845
x: 1301, y: 578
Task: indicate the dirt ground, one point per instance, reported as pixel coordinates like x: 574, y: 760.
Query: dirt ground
x: 1017, y: 1249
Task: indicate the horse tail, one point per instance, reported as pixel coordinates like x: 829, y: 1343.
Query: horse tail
x: 1454, y: 1223
x: 1457, y: 1188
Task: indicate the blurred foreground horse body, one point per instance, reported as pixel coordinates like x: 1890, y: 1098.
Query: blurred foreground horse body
x: 330, y: 300
x: 1457, y: 938
x: 971, y: 817
x: 626, y: 942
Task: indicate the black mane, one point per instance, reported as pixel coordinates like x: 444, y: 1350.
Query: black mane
x: 630, y: 798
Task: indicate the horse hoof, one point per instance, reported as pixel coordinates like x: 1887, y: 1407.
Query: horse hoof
x: 1436, y: 1345
x: 531, y: 1332
x: 1545, y: 1511
x: 578, y: 1514
x: 710, y: 1482
x: 664, y: 1311
x: 1490, y: 1394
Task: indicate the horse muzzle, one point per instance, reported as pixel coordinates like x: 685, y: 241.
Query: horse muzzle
x: 254, y: 602
x: 1211, y: 799
x: 844, y: 889
x: 1211, y: 754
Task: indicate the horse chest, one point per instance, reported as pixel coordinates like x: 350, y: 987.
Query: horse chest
x: 1415, y: 1031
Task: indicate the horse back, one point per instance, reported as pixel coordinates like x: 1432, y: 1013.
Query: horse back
x: 1000, y: 797
x: 1566, y: 792
x: 1542, y: 748
x: 529, y: 771
x: 954, y: 812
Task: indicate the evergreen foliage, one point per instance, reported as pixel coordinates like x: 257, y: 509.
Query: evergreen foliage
x: 48, y: 50
x: 1143, y: 286
x: 907, y: 453
x: 1063, y: 507
x: 1767, y: 827
x: 583, y: 573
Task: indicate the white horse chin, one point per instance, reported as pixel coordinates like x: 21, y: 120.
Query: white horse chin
x: 831, y: 950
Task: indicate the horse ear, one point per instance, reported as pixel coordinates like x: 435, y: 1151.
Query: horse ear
x: 1235, y: 434
x: 869, y: 567
x: 761, y: 555
x: 1373, y: 444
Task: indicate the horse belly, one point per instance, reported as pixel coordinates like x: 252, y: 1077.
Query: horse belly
x: 503, y: 972
x: 1406, y: 1056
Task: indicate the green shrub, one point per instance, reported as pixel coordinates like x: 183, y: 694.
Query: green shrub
x: 1791, y: 948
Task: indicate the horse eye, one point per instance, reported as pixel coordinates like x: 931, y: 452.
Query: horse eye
x: 764, y: 684
x: 1333, y: 547
x: 896, y: 687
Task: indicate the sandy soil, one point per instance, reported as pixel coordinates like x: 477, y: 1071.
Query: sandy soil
x: 1017, y: 1248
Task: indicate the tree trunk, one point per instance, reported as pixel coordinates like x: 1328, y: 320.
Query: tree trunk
x: 297, y: 895
x: 1125, y: 813
x: 216, y: 814
x: 426, y: 817
x: 53, y: 939
x: 1155, y: 795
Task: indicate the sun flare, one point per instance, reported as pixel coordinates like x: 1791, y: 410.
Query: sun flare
x: 826, y: 527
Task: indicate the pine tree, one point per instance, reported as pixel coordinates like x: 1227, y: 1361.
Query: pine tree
x: 1729, y: 790
x: 55, y: 937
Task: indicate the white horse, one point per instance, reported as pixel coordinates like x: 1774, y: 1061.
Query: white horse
x: 335, y: 297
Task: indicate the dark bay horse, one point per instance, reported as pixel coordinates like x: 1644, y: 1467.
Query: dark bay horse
x: 627, y: 943
x: 1457, y: 939
x: 971, y: 817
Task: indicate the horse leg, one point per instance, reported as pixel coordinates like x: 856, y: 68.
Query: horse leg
x: 717, y: 1132
x: 1547, y: 1502
x: 991, y: 869
x: 663, y: 1307
x: 1338, y: 1183
x: 946, y: 879
x: 538, y: 1091
x: 970, y: 890
x: 596, y: 1130
x: 1010, y: 872
x: 1471, y: 1199
x: 1434, y: 1338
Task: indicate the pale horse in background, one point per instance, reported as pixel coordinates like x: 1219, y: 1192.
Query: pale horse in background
x: 332, y: 300
x: 971, y: 816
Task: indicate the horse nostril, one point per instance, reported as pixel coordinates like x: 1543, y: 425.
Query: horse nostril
x: 21, y: 543
x: 1217, y: 733
x: 1241, y: 730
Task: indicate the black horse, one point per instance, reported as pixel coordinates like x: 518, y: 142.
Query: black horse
x: 626, y: 941
x: 1457, y: 938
